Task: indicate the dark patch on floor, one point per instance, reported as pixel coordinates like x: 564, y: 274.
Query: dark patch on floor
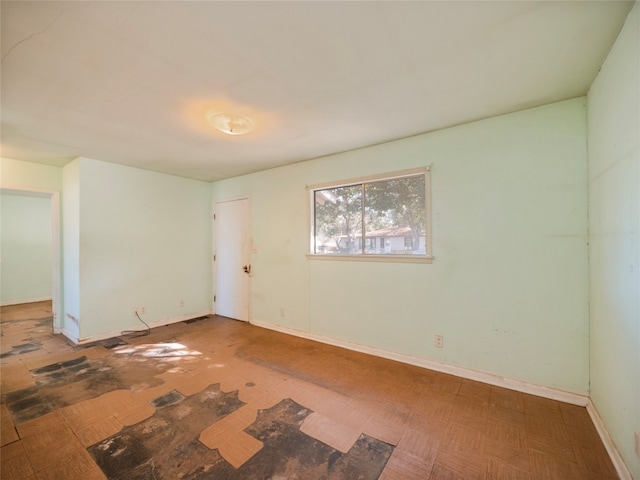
x: 194, y: 320
x: 61, y: 384
x: 289, y: 453
x: 65, y: 383
x: 114, y: 342
x: 22, y: 348
x: 44, y: 322
x: 166, y: 445
x: 170, y: 398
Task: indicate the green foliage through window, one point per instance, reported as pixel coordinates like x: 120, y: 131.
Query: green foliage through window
x: 382, y: 217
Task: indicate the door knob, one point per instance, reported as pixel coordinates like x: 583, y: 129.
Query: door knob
x: 246, y: 268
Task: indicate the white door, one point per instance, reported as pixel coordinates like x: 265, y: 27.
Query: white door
x: 232, y: 256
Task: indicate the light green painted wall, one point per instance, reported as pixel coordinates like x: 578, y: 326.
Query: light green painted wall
x: 30, y: 177
x: 614, y: 227
x: 25, y: 244
x: 508, y: 287
x: 144, y: 240
x: 26, y: 175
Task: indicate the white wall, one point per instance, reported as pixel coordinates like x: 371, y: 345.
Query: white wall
x: 508, y: 287
x: 71, y: 251
x: 25, y: 244
x: 143, y: 239
x: 614, y: 226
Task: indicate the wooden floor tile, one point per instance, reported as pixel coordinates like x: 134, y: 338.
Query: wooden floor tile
x: 8, y: 433
x: 442, y: 427
x: 227, y: 427
x: 15, y: 377
x: 419, y: 444
x: 135, y: 415
x: 550, y: 467
x: 456, y: 465
x: 98, y: 431
x: 50, y: 446
x: 503, y: 398
x: 40, y: 424
x: 594, y: 459
x: 507, y: 455
x: 327, y: 430
x: 383, y: 430
x: 239, y: 448
x: 76, y: 466
x: 497, y: 470
x: 462, y: 440
x: 16, y: 468
x: 507, y: 434
x: 404, y: 466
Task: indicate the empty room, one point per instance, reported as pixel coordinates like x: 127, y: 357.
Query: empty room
x: 320, y: 240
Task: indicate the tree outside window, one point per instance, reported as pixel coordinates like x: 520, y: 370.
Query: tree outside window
x: 381, y: 217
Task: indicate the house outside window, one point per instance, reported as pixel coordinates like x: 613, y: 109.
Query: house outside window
x: 386, y: 217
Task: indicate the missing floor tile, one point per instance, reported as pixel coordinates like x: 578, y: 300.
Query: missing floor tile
x: 22, y: 348
x: 194, y: 320
x: 166, y: 446
x: 168, y: 399
x: 64, y: 383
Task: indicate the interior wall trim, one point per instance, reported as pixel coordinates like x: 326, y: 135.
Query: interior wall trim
x: 573, y: 398
x: 118, y: 333
x: 520, y: 386
x: 623, y: 471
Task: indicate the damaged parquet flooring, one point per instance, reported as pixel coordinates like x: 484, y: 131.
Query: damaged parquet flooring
x: 219, y: 399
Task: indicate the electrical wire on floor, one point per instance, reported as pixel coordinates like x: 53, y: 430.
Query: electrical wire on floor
x: 137, y: 333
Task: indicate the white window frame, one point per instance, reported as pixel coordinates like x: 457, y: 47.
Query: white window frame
x: 427, y: 257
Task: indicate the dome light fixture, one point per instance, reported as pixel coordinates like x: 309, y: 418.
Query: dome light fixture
x: 230, y: 124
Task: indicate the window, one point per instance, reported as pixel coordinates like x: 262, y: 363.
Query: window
x: 385, y: 217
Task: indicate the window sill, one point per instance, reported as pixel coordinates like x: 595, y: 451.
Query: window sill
x: 372, y: 258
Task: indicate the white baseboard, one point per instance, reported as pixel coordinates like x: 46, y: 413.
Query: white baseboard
x: 28, y: 300
x: 573, y: 398
x: 70, y: 336
x: 623, y: 471
x: 118, y: 333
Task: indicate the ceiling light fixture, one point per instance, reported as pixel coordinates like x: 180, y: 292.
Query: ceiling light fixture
x: 230, y: 124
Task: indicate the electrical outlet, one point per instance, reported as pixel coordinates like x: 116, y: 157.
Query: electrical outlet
x: 439, y: 341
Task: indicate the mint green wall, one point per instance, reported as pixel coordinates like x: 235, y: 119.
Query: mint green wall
x: 508, y: 286
x: 29, y: 177
x: 144, y: 240
x: 16, y: 174
x: 614, y: 227
x: 25, y: 244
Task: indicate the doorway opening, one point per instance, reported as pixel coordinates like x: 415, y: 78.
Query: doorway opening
x: 30, y: 257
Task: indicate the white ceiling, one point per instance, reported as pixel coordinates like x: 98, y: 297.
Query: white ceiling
x: 131, y: 82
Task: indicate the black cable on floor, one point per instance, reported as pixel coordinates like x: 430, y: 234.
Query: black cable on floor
x: 137, y: 333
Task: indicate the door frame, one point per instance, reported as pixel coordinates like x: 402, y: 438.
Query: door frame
x: 214, y: 269
x: 56, y: 291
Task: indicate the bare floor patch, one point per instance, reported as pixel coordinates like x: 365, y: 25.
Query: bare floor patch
x: 166, y: 445
x: 65, y: 383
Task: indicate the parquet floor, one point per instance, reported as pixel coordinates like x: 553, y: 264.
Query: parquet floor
x: 440, y: 426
